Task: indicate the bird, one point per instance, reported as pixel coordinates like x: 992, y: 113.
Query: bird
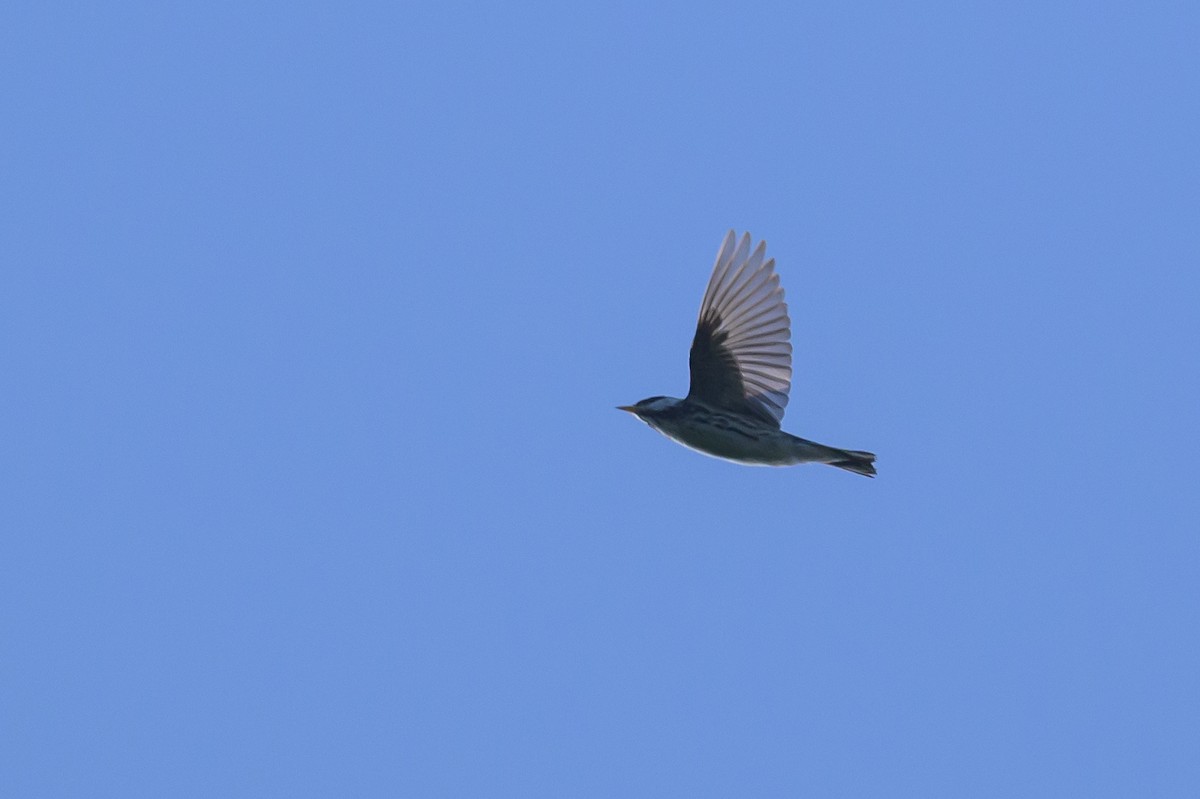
x: 741, y: 372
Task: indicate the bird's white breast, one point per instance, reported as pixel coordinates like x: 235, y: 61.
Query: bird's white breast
x: 763, y: 447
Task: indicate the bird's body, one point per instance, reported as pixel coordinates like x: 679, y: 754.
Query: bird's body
x: 741, y: 365
x: 734, y: 437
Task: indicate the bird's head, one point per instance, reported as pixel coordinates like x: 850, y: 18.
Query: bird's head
x: 649, y: 407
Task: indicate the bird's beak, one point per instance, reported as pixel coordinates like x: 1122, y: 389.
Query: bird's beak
x: 627, y: 408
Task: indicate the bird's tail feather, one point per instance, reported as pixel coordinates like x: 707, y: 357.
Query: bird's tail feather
x: 856, y: 461
x: 852, y: 460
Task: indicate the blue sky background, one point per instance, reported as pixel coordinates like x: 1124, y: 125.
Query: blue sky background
x: 314, y: 318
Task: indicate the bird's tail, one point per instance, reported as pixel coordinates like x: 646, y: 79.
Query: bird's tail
x: 857, y: 461
x: 852, y: 460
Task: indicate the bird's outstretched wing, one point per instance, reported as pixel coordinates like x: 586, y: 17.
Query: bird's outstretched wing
x: 741, y: 356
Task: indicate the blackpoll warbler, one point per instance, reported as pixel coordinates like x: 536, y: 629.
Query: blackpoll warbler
x: 741, y: 364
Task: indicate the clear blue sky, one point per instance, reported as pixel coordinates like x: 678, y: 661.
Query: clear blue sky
x: 314, y: 318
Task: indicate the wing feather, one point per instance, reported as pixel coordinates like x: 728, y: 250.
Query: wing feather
x: 741, y: 357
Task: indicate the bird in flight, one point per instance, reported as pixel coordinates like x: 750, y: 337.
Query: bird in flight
x: 741, y: 365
